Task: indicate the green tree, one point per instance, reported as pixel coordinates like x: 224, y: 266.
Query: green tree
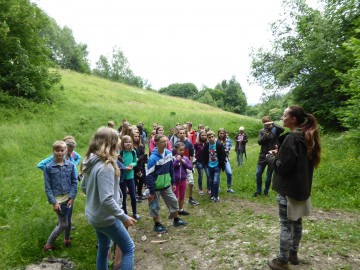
x: 184, y: 90
x: 103, y: 68
x: 24, y: 53
x: 307, y: 49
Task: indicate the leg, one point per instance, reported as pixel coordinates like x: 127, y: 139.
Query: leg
x: 238, y: 153
x: 69, y: 225
x: 285, y: 230
x: 199, y: 168
x: 259, y: 171
x: 211, y: 173
x: 123, y: 191
x: 228, y: 173
x: 131, y: 186
x: 241, y: 158
x: 269, y: 172
x: 118, y: 233
x: 60, y: 227
x: 216, y: 183
x: 104, y: 244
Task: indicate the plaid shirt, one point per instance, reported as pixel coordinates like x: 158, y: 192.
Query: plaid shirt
x: 227, y: 147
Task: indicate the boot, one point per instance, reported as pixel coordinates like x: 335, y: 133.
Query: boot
x: 293, y: 258
x: 276, y: 264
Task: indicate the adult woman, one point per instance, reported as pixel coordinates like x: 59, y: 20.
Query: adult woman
x: 294, y: 163
x: 199, y: 147
x: 103, y: 198
x: 241, y: 140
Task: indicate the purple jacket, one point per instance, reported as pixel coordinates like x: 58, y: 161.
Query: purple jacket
x: 180, y: 168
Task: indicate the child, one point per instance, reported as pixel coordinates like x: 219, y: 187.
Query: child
x: 199, y: 147
x: 214, y: 159
x: 160, y: 182
x: 61, y: 189
x: 181, y: 164
x: 159, y: 130
x: 103, y: 198
x: 139, y: 172
x: 130, y: 161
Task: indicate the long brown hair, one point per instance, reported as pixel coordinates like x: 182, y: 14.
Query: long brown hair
x: 309, y: 126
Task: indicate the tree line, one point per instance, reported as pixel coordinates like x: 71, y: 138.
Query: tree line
x: 314, y: 58
x: 32, y: 43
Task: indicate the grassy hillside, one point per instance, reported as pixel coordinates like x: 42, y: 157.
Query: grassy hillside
x: 87, y: 102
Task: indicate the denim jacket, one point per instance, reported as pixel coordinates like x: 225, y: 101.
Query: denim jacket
x: 60, y: 180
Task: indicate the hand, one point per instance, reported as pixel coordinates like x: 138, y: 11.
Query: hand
x: 56, y: 207
x: 173, y: 188
x: 178, y: 157
x: 139, y: 174
x: 129, y: 167
x: 70, y: 203
x: 151, y: 197
x: 183, y: 161
x: 129, y: 222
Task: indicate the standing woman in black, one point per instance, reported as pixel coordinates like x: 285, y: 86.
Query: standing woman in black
x: 294, y: 163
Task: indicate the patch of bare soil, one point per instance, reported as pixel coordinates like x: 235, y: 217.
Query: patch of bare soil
x: 236, y: 234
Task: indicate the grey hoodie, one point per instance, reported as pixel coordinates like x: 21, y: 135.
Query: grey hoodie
x: 103, y: 195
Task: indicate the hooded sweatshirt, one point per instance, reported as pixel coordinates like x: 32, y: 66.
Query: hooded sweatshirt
x: 103, y: 195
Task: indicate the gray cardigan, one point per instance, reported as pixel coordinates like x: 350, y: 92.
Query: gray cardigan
x: 103, y: 195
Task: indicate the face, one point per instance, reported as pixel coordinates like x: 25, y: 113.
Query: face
x: 221, y: 134
x: 160, y: 131
x: 127, y: 145
x: 161, y: 144
x: 203, y: 137
x: 288, y: 120
x: 59, y: 153
x: 136, y: 137
x: 211, y: 138
x: 181, y: 151
x: 181, y: 134
x: 70, y: 149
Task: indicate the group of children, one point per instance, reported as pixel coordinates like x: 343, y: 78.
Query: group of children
x: 167, y: 172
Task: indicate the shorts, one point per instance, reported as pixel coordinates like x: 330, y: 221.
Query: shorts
x: 190, y: 177
x: 169, y: 199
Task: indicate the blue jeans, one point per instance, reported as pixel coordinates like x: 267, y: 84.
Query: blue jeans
x: 118, y: 233
x: 240, y: 157
x: 200, y: 168
x: 214, y: 179
x: 259, y: 171
x: 130, y: 184
x: 228, y: 173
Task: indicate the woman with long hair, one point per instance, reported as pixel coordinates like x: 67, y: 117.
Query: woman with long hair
x: 294, y: 163
x: 103, y: 198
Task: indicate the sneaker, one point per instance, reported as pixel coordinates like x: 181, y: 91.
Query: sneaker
x: 136, y: 216
x: 212, y: 198
x: 179, y: 222
x: 193, y: 202
x: 48, y: 247
x: 276, y: 264
x: 217, y: 199
x: 184, y: 213
x: 230, y: 190
x: 201, y: 193
x: 67, y: 243
x: 256, y: 194
x: 293, y: 258
x: 159, y: 228
x: 266, y: 194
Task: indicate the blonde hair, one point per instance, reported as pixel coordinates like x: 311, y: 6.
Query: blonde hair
x: 58, y: 144
x: 105, y: 144
x: 124, y: 139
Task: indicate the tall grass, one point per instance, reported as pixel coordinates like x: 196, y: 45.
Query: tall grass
x: 84, y: 104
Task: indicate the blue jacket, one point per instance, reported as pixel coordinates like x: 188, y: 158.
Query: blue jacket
x: 158, y: 167
x: 74, y: 158
x: 60, y: 180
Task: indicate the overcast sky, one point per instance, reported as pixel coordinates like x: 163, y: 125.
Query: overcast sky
x: 167, y: 41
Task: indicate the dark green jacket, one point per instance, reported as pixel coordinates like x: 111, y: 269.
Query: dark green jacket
x: 293, y: 170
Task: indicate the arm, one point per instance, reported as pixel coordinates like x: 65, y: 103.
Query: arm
x: 287, y: 156
x: 188, y: 164
x: 105, y: 186
x: 168, y: 145
x: 77, y: 158
x: 47, y: 184
x: 41, y: 165
x: 74, y: 183
x: 265, y: 136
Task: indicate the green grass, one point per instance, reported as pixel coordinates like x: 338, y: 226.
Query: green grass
x: 84, y: 104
